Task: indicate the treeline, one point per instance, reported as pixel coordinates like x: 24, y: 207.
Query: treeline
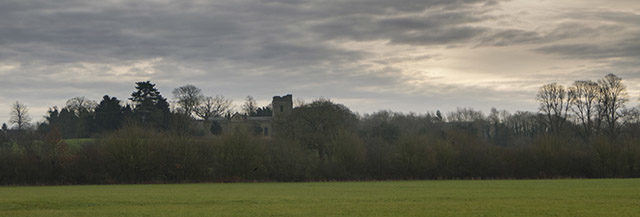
x: 584, y: 130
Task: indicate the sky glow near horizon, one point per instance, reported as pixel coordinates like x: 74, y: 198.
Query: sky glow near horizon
x: 370, y: 55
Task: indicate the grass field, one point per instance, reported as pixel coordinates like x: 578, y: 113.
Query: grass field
x: 401, y: 198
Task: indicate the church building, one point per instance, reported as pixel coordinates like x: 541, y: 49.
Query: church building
x: 281, y: 106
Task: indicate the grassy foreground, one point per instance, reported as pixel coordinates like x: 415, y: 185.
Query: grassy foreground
x: 401, y: 198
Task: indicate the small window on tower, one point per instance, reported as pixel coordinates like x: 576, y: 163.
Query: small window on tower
x: 266, y: 131
x: 281, y: 108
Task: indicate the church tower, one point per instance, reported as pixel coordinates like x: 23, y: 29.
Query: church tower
x: 282, y: 106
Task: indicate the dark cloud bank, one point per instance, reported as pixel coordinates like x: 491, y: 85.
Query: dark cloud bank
x: 63, y: 49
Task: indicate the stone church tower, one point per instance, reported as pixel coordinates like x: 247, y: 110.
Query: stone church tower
x: 282, y: 106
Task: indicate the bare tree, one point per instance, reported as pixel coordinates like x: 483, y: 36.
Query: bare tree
x: 250, y: 106
x: 554, y: 104
x: 465, y: 115
x: 19, y: 115
x: 188, y: 98
x: 213, y: 107
x: 522, y: 123
x: 584, y: 101
x: 611, y: 103
x: 298, y: 102
x: 81, y: 104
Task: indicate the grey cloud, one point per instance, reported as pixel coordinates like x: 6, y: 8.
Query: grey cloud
x: 436, y: 27
x: 70, y: 31
x: 457, y: 25
x: 384, y: 6
x: 563, y: 31
x: 435, y: 20
x: 112, y: 33
x: 265, y: 46
x: 284, y: 54
x: 629, y: 48
x: 509, y: 37
x: 604, y: 35
x: 442, y: 36
x: 569, y: 30
x: 246, y: 34
x: 604, y: 15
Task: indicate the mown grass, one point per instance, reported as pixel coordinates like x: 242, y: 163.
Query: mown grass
x: 609, y: 197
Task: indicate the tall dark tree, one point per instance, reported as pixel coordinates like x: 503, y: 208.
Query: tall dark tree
x: 439, y: 117
x: 584, y: 101
x: 52, y: 115
x: 83, y: 109
x: 50, y: 119
x: 554, y: 104
x: 150, y: 108
x: 66, y: 122
x: 613, y: 96
x: 108, y: 114
x: 75, y: 120
x: 320, y: 126
x: 127, y: 112
x: 3, y: 133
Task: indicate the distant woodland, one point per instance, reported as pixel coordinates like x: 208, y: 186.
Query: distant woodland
x: 585, y: 130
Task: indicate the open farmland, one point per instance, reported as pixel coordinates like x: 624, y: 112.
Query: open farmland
x: 399, y: 198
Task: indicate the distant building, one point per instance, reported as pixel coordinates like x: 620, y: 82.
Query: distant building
x: 281, y: 106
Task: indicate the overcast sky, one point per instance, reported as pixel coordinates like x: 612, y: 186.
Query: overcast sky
x: 400, y: 55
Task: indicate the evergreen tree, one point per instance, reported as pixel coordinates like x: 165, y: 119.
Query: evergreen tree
x: 150, y: 108
x: 67, y: 123
x: 108, y: 114
x: 439, y: 117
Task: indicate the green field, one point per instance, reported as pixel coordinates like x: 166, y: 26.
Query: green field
x: 400, y: 198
